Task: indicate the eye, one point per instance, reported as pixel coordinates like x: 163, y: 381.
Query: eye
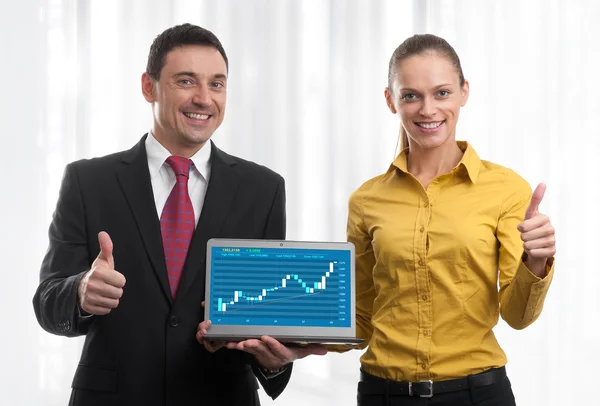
x: 217, y: 85
x: 443, y: 93
x: 185, y: 82
x: 409, y: 97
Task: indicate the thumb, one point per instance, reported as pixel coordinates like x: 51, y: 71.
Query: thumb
x: 106, y: 249
x: 536, y: 199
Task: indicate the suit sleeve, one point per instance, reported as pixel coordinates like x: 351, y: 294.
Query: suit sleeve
x: 275, y: 227
x: 64, y: 265
x: 274, y: 230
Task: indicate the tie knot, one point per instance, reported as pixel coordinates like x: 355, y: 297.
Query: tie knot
x: 181, y: 166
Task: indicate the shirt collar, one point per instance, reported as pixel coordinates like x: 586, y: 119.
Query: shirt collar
x: 157, y: 155
x: 470, y: 161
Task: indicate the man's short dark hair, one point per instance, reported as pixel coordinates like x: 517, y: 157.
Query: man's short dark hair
x: 177, y: 36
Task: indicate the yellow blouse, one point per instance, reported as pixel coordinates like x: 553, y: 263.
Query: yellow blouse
x: 428, y: 266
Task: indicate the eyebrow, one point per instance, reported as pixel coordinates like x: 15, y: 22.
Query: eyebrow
x: 408, y: 89
x: 192, y: 74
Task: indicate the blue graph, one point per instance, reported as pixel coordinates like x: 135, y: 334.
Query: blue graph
x: 285, y: 287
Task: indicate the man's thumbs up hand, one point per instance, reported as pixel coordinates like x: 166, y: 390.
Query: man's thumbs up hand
x: 106, y: 249
x: 101, y: 288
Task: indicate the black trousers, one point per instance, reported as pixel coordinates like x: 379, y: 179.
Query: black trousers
x: 498, y: 393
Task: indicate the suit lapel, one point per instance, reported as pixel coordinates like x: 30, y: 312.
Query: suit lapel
x: 219, y: 195
x: 134, y: 178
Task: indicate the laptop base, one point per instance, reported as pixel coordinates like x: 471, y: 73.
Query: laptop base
x: 294, y: 340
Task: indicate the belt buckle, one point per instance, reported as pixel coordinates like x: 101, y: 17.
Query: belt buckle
x: 429, y: 395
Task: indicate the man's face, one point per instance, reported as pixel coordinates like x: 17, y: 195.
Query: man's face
x: 188, y: 100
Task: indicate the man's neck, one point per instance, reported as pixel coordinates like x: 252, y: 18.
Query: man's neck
x: 176, y: 148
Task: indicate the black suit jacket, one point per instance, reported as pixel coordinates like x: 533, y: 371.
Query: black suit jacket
x: 144, y: 352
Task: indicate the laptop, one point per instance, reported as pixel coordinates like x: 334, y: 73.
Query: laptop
x: 294, y: 291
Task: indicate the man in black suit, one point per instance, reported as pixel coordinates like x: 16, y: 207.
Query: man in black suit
x: 126, y: 257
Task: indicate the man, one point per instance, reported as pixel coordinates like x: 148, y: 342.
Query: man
x: 126, y: 258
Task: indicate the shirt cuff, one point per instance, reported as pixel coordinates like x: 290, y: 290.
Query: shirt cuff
x: 272, y: 373
x: 82, y: 314
x: 529, y: 278
x: 534, y: 288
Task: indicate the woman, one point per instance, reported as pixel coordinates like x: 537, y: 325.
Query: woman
x: 434, y: 235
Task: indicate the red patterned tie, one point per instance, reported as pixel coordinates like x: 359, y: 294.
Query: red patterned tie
x: 177, y: 221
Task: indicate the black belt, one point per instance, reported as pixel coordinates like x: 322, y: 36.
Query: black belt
x: 374, y: 385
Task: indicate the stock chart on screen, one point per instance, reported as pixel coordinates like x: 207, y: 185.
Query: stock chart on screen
x: 284, y: 287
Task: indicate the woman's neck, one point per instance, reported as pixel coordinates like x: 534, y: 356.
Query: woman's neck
x: 428, y: 163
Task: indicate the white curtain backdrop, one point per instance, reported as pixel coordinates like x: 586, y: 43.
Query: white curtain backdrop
x: 306, y: 99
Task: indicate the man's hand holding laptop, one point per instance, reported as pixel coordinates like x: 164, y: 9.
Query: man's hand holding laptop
x: 269, y: 352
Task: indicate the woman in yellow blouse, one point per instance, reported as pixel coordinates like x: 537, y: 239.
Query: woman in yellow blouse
x: 435, y: 236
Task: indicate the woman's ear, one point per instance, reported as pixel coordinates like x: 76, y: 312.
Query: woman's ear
x: 389, y: 100
x: 465, y: 93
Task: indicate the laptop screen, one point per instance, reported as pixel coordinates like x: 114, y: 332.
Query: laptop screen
x: 280, y: 287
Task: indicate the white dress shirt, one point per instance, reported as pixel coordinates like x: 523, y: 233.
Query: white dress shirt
x: 163, y: 177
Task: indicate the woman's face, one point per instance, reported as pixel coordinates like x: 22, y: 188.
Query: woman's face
x: 427, y: 95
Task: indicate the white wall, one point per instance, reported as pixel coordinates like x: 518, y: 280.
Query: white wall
x: 306, y: 86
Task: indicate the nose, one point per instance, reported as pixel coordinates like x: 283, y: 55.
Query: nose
x: 202, y: 96
x: 428, y: 108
